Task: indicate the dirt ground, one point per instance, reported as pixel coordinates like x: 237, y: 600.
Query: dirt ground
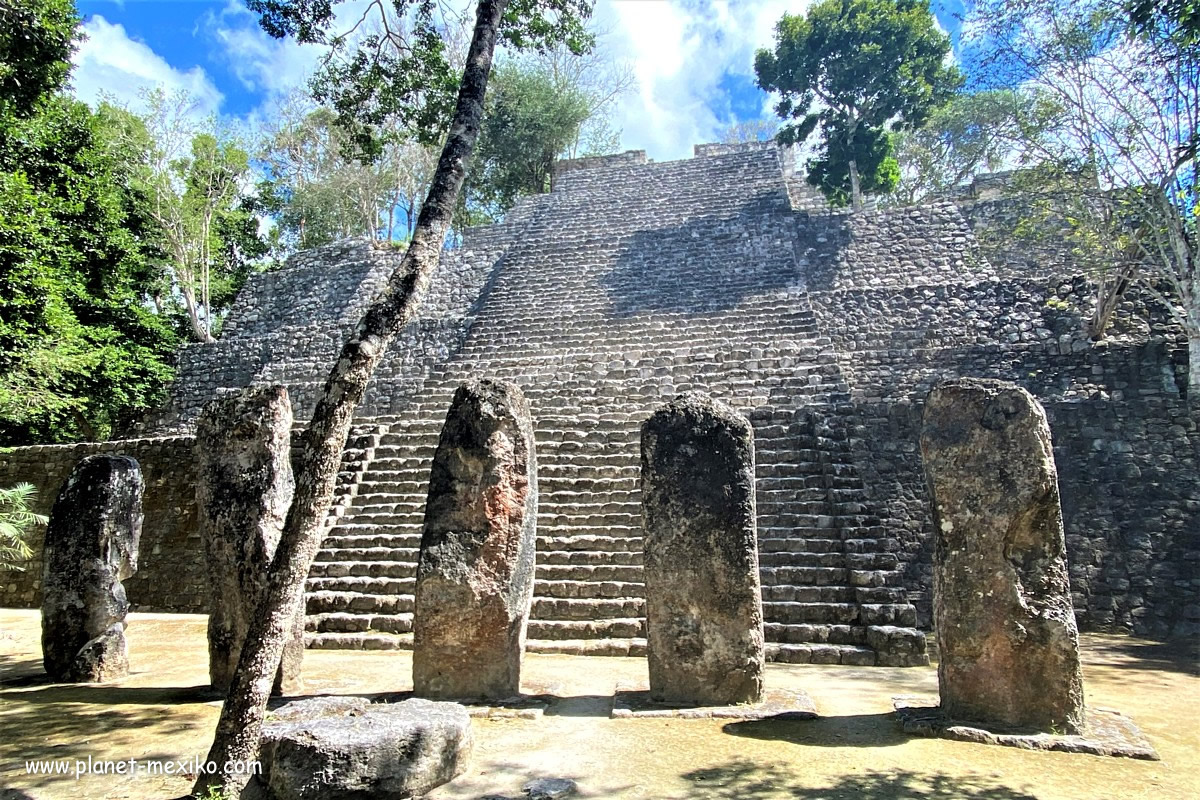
x: 161, y: 712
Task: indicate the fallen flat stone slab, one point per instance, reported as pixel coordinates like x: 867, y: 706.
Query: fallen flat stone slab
x: 338, y: 748
x: 1105, y: 732
x: 550, y: 788
x: 509, y: 708
x: 634, y: 701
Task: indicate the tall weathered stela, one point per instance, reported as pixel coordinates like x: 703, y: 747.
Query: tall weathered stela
x: 475, y: 569
x: 243, y: 490
x: 1002, y: 601
x: 703, y: 599
x: 91, y: 546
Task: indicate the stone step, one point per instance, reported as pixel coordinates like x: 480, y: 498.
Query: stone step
x: 366, y: 586
x: 619, y: 607
x: 587, y: 629
x: 402, y: 568
x: 632, y: 646
x: 630, y: 558
x: 347, y: 622
x: 801, y: 559
x: 797, y: 544
x: 826, y: 613
x: 588, y: 589
x: 815, y: 633
x: 804, y: 576
x: 588, y: 572
x: 348, y: 602
x: 846, y: 654
x: 358, y: 641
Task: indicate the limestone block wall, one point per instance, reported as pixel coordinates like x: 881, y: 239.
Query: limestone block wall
x: 923, y: 245
x: 1129, y: 475
x: 563, y: 166
x: 288, y: 325
x: 633, y: 281
x: 170, y: 574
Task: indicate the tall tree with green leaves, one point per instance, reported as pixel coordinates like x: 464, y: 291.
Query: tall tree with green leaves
x: 1118, y: 102
x: 523, y: 23
x: 856, y: 69
x: 320, y: 190
x: 973, y: 133
x: 194, y: 178
x: 81, y: 351
x: 532, y: 118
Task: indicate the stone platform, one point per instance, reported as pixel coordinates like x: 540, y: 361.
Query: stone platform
x: 1106, y: 732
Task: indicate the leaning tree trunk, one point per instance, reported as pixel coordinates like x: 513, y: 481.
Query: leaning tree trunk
x: 238, y: 730
x: 856, y: 198
x: 1108, y: 297
x: 1194, y: 365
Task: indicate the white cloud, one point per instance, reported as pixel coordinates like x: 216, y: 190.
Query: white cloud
x: 271, y: 67
x: 681, y: 52
x: 111, y: 64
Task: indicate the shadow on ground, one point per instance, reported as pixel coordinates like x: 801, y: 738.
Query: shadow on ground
x: 747, y: 781
x: 860, y: 730
x: 21, y: 671
x: 1124, y: 653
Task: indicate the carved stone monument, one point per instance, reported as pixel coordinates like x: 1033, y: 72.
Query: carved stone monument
x: 475, y: 570
x: 91, y: 546
x: 243, y: 490
x: 703, y: 600
x: 1002, y: 602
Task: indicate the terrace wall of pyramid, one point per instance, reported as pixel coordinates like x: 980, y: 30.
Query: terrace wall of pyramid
x: 634, y: 281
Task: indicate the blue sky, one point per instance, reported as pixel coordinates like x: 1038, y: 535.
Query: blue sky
x: 692, y: 60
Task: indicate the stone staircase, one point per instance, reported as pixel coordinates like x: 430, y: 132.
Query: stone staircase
x: 628, y: 286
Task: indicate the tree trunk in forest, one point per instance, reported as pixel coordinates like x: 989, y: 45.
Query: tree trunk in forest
x: 199, y: 330
x: 238, y: 730
x: 856, y: 201
x: 1194, y: 367
x: 1108, y: 297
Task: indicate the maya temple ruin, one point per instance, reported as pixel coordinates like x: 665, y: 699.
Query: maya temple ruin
x: 632, y: 283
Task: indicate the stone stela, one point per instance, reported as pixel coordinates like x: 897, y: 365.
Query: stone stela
x: 244, y: 487
x: 1006, y: 631
x: 634, y: 281
x: 700, y: 555
x: 91, y: 546
x: 475, y: 570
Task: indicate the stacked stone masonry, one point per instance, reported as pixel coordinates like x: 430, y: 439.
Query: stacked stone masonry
x: 632, y: 282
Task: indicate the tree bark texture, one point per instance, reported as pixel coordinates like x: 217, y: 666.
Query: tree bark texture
x: 240, y: 725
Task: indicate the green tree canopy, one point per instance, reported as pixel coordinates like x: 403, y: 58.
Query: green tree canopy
x: 856, y: 68
x: 531, y: 119
x: 973, y: 133
x: 203, y: 229
x: 81, y: 351
x: 397, y: 66
x: 37, y: 38
x: 1113, y: 172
